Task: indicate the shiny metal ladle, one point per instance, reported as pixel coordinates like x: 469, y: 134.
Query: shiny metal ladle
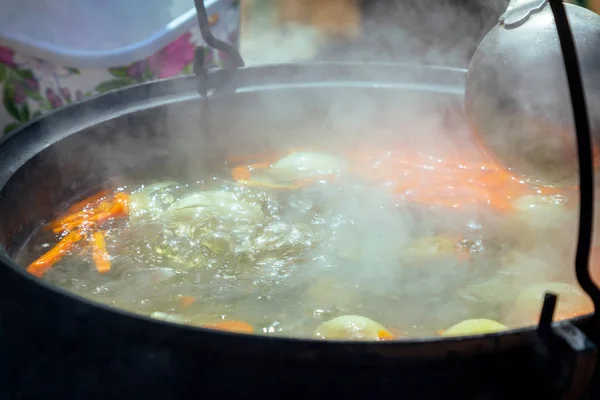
x: 517, y: 96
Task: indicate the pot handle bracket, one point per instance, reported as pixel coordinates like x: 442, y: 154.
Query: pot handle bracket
x: 565, y: 353
x: 213, y: 79
x: 568, y: 355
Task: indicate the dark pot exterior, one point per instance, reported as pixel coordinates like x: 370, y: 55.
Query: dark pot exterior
x: 59, y: 346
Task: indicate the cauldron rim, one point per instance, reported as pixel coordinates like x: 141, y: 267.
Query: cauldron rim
x: 172, y: 90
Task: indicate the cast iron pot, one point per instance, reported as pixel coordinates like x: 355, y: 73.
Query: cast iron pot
x: 60, y: 346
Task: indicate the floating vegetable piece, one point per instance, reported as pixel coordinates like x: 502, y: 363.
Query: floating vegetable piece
x: 152, y: 200
x: 102, y: 208
x: 117, y: 207
x: 428, y: 247
x: 539, y: 212
x: 448, y: 183
x: 352, y: 327
x: 474, y: 327
x: 40, y: 266
x: 293, y: 171
x: 221, y: 202
x: 100, y: 256
x: 572, y: 302
x: 231, y: 326
x: 173, y: 318
x: 80, y: 205
x: 304, y: 165
x: 187, y: 301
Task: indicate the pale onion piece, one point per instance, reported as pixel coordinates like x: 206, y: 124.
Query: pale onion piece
x: 430, y: 246
x: 140, y: 202
x: 205, y: 199
x: 543, y: 211
x: 347, y: 241
x: 304, y: 165
x: 327, y: 293
x: 352, y: 327
x: 528, y: 267
x: 474, y: 327
x: 572, y: 302
x: 174, y: 318
x: 497, y: 290
x: 217, y: 199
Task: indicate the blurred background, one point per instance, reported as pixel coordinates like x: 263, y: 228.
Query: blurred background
x: 53, y: 53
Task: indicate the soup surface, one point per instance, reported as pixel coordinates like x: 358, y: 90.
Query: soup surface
x: 368, y: 244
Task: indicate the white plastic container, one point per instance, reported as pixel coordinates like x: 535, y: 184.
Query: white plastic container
x: 54, y: 52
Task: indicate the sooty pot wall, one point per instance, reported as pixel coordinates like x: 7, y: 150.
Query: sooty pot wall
x: 60, y: 346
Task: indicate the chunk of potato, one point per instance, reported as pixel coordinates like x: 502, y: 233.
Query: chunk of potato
x: 352, y: 327
x: 572, y: 302
x: 474, y: 327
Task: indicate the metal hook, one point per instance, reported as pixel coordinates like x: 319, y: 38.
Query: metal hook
x: 519, y: 11
x: 232, y: 53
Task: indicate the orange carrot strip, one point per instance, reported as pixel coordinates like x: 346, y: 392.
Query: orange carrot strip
x: 241, y: 173
x: 100, y: 256
x: 187, y: 301
x: 231, y: 326
x: 40, y: 266
x: 463, y: 255
x: 385, y: 335
x: 77, y: 211
x: 118, y: 208
x: 80, y: 205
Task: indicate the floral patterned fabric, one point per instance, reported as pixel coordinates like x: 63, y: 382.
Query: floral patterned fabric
x: 31, y: 86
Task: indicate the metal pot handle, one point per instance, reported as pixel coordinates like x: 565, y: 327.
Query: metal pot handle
x: 519, y: 11
x: 212, y: 41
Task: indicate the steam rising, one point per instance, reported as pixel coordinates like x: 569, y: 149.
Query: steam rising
x: 373, y: 231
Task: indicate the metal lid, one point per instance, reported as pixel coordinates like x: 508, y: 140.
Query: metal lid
x: 96, y: 33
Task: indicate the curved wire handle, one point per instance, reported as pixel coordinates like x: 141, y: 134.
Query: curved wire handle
x: 584, y: 152
x: 212, y: 41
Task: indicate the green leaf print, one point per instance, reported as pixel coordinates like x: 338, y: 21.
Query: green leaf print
x: 45, y: 104
x: 188, y: 69
x: 11, y: 127
x: 147, y: 76
x: 120, y: 72
x: 2, y: 72
x: 36, y: 114
x: 112, y: 85
x: 24, y: 113
x: 24, y: 74
x: 9, y: 100
x: 32, y: 94
x: 74, y: 71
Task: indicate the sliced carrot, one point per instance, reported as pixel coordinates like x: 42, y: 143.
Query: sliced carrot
x: 100, y: 256
x: 231, y: 326
x: 463, y: 255
x: 80, y: 205
x: 40, y: 266
x: 116, y: 208
x: 241, y: 173
x: 385, y: 335
x: 78, y: 210
x: 187, y: 301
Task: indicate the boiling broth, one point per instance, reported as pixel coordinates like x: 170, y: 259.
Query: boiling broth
x: 286, y: 243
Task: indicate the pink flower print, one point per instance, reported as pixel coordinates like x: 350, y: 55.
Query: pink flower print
x: 54, y: 100
x: 19, y: 95
x: 171, y: 60
x: 65, y: 93
x: 6, y: 56
x: 32, y: 84
x: 136, y: 70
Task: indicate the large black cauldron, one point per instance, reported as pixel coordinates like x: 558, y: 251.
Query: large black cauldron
x: 59, y: 346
